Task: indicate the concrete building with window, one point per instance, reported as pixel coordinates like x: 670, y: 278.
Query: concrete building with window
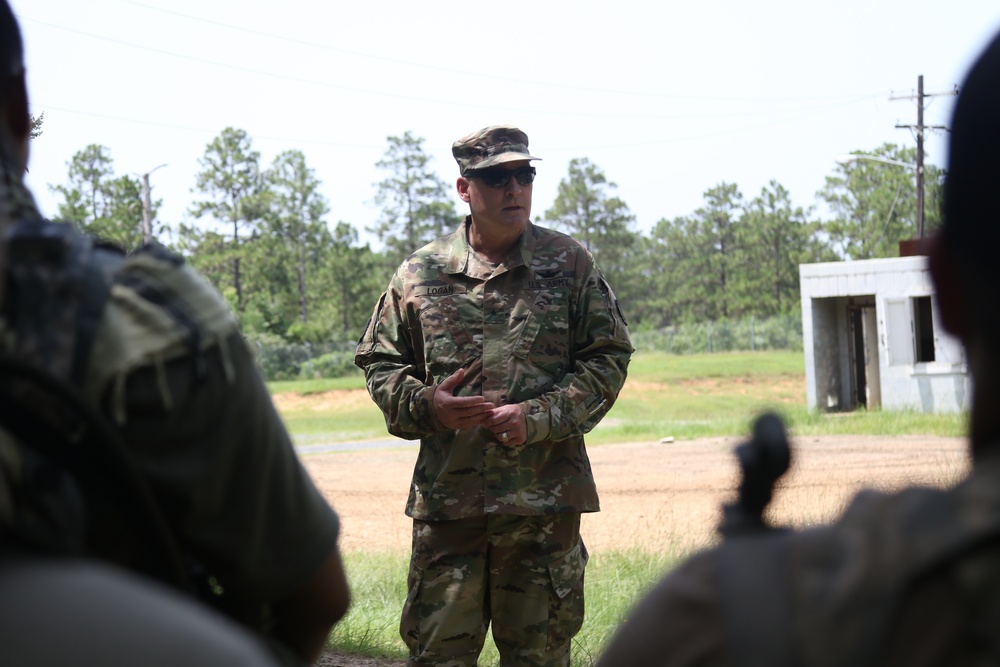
x: 872, y: 339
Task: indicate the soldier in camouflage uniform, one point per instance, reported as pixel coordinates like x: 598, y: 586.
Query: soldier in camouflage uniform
x: 147, y: 343
x: 909, y: 578
x: 499, y: 346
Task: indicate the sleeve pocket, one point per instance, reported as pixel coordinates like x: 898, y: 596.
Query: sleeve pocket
x: 368, y: 341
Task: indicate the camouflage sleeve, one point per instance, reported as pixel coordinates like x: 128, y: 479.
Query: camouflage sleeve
x: 599, y: 363
x: 387, y: 355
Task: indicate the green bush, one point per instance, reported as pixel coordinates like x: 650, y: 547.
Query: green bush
x: 782, y: 332
x: 334, y: 364
x: 279, y: 361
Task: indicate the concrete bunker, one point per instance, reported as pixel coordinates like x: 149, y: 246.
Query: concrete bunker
x: 872, y: 339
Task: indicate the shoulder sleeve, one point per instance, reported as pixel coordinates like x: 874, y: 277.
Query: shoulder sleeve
x: 223, y: 469
x: 393, y: 369
x: 171, y: 368
x: 601, y: 353
x: 677, y: 623
x: 158, y: 309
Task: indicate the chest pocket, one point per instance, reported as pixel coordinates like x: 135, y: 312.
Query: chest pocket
x: 446, y: 338
x: 545, y: 332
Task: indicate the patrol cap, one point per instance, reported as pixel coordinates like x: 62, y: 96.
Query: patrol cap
x: 490, y: 146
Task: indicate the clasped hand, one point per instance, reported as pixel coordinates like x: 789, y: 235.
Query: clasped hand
x: 461, y: 412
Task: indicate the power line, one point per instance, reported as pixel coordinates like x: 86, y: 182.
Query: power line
x: 470, y: 73
x: 199, y: 130
x: 411, y: 98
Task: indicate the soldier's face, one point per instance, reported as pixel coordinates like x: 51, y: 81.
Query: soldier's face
x: 508, y: 206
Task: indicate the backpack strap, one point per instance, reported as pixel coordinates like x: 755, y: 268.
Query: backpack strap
x: 58, y: 283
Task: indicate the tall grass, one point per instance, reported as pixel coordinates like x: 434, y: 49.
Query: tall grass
x: 614, y: 581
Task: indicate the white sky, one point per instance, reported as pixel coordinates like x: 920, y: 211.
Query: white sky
x: 668, y: 98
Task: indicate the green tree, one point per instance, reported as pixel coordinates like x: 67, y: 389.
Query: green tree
x: 237, y: 197
x: 717, y: 224
x: 86, y: 196
x: 675, y: 260
x: 36, y: 125
x: 874, y: 203
x: 699, y: 259
x: 356, y: 280
x: 209, y: 251
x: 286, y: 265
x: 639, y: 293
x: 774, y: 238
x: 415, y: 207
x: 586, y: 208
x: 101, y: 204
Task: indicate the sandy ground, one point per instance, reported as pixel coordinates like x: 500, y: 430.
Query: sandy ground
x: 653, y: 496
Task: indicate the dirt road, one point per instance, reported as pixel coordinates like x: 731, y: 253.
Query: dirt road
x: 653, y: 494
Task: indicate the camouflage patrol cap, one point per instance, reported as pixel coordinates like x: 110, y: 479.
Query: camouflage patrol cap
x: 489, y: 146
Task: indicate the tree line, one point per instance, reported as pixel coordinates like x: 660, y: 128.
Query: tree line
x: 261, y: 234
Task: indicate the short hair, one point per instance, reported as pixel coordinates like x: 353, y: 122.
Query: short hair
x: 11, y: 48
x: 971, y: 226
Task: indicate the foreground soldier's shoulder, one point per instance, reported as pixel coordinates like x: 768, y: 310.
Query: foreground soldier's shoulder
x: 678, y: 622
x: 165, y: 279
x: 159, y: 309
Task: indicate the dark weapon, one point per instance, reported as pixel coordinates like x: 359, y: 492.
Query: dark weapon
x: 763, y: 460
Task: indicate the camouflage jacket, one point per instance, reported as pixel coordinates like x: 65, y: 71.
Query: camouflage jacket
x: 543, y: 330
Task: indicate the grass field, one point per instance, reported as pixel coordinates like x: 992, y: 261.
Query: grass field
x: 665, y: 395
x: 684, y: 397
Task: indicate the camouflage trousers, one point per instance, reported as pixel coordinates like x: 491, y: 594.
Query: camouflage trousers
x: 522, y: 574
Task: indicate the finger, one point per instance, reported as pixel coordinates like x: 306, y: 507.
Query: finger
x: 466, y: 402
x: 472, y: 420
x: 450, y: 382
x: 496, y: 426
x: 478, y: 410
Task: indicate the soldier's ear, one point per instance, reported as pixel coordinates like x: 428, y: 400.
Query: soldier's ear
x: 952, y: 302
x: 14, y: 115
x: 15, y: 105
x: 462, y: 185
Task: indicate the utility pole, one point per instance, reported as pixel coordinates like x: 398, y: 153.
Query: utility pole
x: 920, y: 127
x: 147, y: 206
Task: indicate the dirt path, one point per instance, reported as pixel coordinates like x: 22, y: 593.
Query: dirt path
x: 653, y: 496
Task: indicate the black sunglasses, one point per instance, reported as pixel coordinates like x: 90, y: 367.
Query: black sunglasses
x: 498, y: 177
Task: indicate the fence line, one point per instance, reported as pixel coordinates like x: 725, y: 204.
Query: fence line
x: 782, y: 332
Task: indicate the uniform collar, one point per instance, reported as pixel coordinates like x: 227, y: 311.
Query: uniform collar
x: 460, y: 255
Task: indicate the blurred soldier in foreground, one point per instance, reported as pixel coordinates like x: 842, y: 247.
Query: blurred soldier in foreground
x: 499, y: 346
x: 911, y: 578
x: 142, y: 464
